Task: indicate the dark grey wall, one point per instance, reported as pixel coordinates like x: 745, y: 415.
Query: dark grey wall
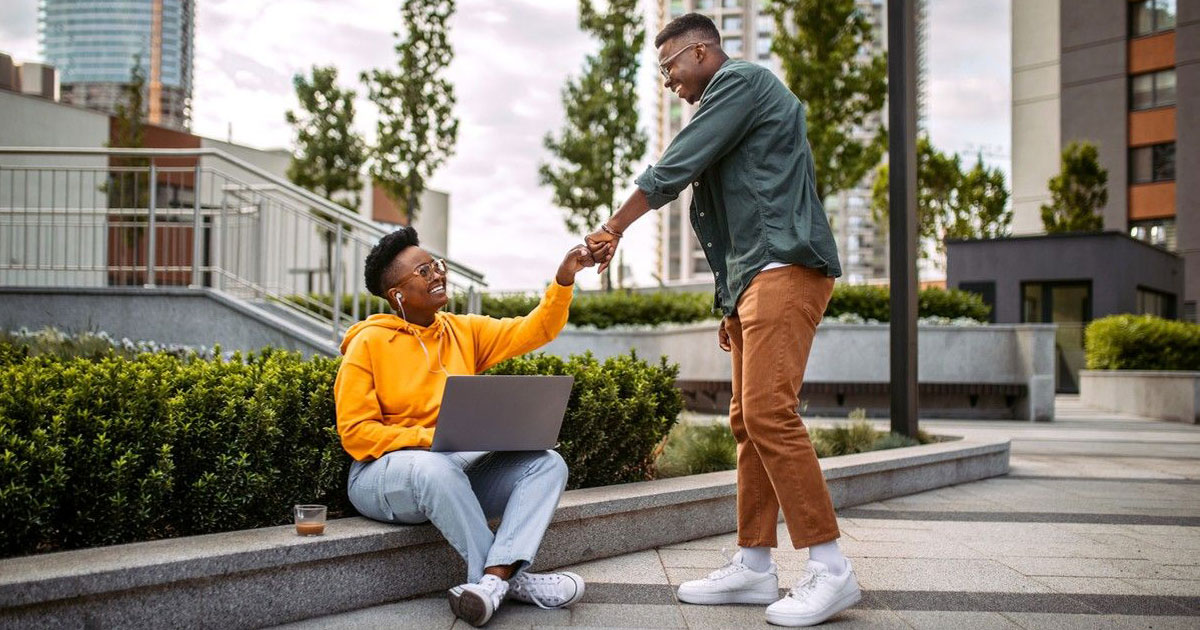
x: 1187, y: 146
x: 1095, y: 89
x: 1115, y: 263
x: 193, y: 317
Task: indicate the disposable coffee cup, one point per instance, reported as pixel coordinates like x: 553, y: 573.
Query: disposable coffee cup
x: 310, y: 520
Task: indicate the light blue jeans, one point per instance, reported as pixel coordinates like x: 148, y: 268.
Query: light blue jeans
x: 459, y: 492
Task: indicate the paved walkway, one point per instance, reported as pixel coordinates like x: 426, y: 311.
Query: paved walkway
x: 1097, y: 526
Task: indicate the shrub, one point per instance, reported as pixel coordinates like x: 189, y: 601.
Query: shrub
x: 619, y: 411
x: 1142, y: 342
x: 624, y: 308
x: 691, y: 449
x: 115, y: 450
x: 121, y: 449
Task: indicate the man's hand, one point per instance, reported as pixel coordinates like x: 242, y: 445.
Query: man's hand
x: 577, y: 259
x: 603, y: 246
x: 723, y: 336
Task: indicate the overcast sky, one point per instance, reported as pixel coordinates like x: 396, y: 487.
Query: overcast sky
x: 511, y: 60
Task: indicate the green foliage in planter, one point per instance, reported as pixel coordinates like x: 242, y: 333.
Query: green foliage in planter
x: 620, y: 409
x: 96, y: 452
x: 693, y: 449
x: 872, y: 302
x: 112, y: 448
x: 1142, y: 342
x: 623, y: 308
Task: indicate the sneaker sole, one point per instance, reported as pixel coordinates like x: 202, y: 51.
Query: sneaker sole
x: 733, y: 597
x: 468, y: 606
x: 799, y: 621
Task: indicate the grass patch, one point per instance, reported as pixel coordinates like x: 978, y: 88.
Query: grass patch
x: 691, y: 449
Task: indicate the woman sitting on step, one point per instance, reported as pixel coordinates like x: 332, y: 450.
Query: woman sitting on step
x: 388, y: 394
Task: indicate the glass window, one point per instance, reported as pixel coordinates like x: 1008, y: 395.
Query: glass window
x: 1164, y: 88
x: 1159, y: 232
x: 1141, y: 89
x: 1163, y: 162
x: 763, y: 46
x: 1152, y: 164
x: 731, y: 4
x: 733, y: 46
x: 705, y: 4
x: 1152, y: 89
x: 731, y: 23
x: 1147, y: 17
x: 1156, y: 303
x: 1141, y: 167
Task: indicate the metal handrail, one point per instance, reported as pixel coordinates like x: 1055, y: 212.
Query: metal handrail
x: 284, y: 186
x: 273, y: 203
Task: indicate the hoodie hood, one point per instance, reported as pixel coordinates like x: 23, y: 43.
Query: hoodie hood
x: 396, y: 324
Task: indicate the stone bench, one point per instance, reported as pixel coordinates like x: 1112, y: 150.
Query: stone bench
x: 260, y: 577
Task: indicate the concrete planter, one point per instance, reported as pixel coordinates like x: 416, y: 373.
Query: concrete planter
x: 263, y: 577
x: 959, y: 367
x: 1165, y: 395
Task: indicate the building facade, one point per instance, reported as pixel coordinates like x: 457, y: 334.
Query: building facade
x: 746, y: 32
x: 95, y: 46
x: 1123, y: 75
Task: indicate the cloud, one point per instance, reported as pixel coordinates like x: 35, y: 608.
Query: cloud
x: 511, y: 61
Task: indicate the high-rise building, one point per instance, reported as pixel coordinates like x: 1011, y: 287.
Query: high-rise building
x: 95, y: 45
x: 1125, y: 76
x: 746, y: 31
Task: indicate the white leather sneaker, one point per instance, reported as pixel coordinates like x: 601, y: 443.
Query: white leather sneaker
x: 818, y: 596
x: 734, y: 583
x: 476, y: 603
x: 546, y: 590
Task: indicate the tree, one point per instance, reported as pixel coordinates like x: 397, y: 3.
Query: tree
x: 820, y: 44
x: 951, y: 203
x: 329, y: 155
x: 1077, y: 192
x: 416, y: 129
x: 598, y: 145
x: 130, y: 189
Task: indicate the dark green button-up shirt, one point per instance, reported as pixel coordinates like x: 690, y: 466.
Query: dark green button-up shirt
x: 754, y: 200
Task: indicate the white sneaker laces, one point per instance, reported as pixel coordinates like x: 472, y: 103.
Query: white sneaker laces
x: 538, y: 589
x: 730, y: 567
x: 806, y: 585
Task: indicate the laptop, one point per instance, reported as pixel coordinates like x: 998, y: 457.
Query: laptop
x: 501, y: 413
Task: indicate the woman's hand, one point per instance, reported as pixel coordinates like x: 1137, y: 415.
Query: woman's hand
x: 577, y: 259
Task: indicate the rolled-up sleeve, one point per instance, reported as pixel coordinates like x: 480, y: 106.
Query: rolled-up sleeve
x: 726, y: 114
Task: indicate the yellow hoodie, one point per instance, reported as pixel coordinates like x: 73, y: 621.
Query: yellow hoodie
x: 388, y: 392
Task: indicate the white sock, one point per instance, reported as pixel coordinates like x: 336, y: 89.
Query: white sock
x: 830, y: 555
x: 757, y: 558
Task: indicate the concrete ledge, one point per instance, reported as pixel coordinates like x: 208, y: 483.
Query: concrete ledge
x: 252, y: 578
x: 1173, y: 396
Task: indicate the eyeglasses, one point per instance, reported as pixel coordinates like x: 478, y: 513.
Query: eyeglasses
x: 427, y: 271
x: 664, y: 68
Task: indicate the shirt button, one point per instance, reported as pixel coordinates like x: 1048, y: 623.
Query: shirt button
x: 701, y: 214
x: 709, y: 244
x: 717, y: 273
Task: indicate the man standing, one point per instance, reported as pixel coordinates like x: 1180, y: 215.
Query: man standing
x: 756, y: 212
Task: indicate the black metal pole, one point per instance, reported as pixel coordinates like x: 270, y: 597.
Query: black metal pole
x: 902, y: 210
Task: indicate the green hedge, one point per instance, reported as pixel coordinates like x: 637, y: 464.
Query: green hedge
x: 620, y: 410
x: 618, y: 308
x: 114, y: 449
x: 1142, y: 342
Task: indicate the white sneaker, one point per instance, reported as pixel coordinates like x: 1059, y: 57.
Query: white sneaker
x: 734, y: 583
x: 547, y: 590
x: 818, y: 596
x: 476, y: 603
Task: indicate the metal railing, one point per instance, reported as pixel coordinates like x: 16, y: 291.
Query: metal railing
x: 190, y: 217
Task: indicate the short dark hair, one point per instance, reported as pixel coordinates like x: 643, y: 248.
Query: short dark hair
x: 381, y: 257
x: 689, y: 23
